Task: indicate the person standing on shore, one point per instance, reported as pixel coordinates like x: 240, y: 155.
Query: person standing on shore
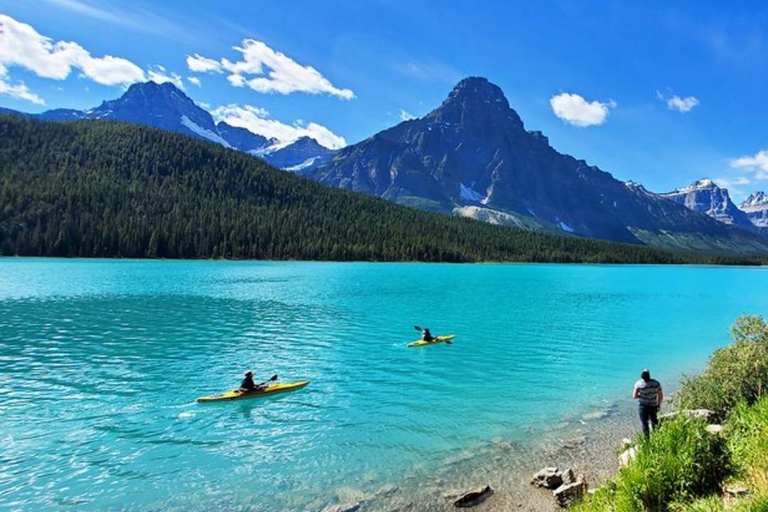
x: 649, y: 395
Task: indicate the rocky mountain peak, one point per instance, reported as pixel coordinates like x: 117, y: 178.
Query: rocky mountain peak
x: 756, y: 200
x: 476, y: 100
x: 707, y: 197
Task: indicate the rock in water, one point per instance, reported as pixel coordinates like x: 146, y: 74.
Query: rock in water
x: 346, y: 507
x: 548, y: 478
x: 474, y: 498
x: 567, y: 494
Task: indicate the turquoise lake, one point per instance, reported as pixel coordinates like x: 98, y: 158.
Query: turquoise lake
x: 101, y: 362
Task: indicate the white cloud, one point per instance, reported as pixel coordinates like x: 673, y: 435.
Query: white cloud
x: 199, y: 64
x: 682, y: 104
x: 160, y: 75
x: 756, y: 164
x: 406, y: 116
x: 194, y: 80
x: 268, y: 71
x: 732, y: 182
x: 22, y: 46
x: 575, y: 110
x: 257, y: 121
x: 19, y: 91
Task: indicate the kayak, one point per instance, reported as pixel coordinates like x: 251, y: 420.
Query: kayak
x: 271, y: 389
x: 438, y: 339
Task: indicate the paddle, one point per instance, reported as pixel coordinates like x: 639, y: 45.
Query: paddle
x: 447, y: 342
x: 271, y: 379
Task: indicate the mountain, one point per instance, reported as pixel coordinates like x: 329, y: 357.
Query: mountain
x: 756, y: 208
x: 165, y: 106
x: 706, y: 197
x: 102, y: 189
x: 473, y: 156
x: 242, y: 139
x: 301, y: 154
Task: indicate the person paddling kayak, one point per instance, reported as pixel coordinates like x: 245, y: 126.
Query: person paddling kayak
x: 426, y: 335
x: 249, y: 385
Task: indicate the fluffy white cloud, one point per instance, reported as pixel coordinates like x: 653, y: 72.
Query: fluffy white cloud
x: 682, y: 104
x: 160, y: 75
x: 199, y: 64
x: 406, y: 116
x: 756, y: 164
x: 575, y: 110
x: 268, y: 71
x: 194, y: 80
x: 21, y: 45
x: 257, y: 120
x: 19, y: 91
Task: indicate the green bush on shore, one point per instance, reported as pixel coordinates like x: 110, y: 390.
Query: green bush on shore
x: 682, y: 466
x: 737, y: 373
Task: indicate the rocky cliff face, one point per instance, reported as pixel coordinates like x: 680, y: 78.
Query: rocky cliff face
x: 756, y: 208
x: 706, y: 197
x: 473, y: 155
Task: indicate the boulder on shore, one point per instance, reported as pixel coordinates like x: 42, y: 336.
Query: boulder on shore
x: 474, y: 498
x: 705, y: 414
x: 627, y: 456
x: 714, y: 429
x: 548, y: 478
x: 567, y: 494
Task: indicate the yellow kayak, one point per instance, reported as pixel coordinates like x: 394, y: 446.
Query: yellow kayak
x: 438, y: 339
x: 271, y: 389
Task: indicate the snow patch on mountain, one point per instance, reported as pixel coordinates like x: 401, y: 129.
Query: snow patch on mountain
x: 303, y: 165
x: 469, y: 194
x: 202, y: 132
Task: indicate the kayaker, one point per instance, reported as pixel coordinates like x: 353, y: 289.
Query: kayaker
x: 649, y: 395
x: 426, y: 335
x: 248, y: 384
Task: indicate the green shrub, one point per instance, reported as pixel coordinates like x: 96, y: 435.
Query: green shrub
x: 736, y: 373
x: 747, y: 430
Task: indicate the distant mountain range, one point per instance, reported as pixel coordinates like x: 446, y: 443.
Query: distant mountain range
x: 165, y: 106
x: 756, y: 208
x: 707, y: 197
x: 473, y: 157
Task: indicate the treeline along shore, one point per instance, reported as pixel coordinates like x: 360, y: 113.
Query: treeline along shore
x: 107, y: 189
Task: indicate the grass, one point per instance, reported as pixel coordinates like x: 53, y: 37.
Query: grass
x: 683, y: 467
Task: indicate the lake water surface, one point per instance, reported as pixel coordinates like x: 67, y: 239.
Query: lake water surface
x: 101, y: 362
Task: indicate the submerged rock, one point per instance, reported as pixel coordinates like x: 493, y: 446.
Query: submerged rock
x: 548, y: 478
x: 567, y: 494
x: 345, y: 507
x: 474, y: 498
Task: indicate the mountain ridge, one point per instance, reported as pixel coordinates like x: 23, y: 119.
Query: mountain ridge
x: 474, y: 151
x: 103, y: 189
x: 165, y: 106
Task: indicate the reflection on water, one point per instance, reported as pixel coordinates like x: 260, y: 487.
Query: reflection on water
x: 101, y: 362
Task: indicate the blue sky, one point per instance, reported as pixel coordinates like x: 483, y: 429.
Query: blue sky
x: 658, y: 93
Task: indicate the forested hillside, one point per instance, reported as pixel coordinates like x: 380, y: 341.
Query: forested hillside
x: 107, y: 189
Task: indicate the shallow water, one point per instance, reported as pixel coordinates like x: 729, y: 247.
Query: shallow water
x: 101, y: 362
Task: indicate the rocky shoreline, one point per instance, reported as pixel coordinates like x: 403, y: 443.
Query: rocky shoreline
x: 497, y: 477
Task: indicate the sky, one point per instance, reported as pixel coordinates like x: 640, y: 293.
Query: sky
x: 663, y: 93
